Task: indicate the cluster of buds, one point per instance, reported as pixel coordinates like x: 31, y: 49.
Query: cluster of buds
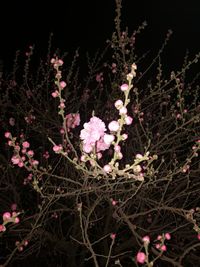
x: 143, y: 257
x: 20, y: 245
x: 9, y: 217
x: 23, y: 155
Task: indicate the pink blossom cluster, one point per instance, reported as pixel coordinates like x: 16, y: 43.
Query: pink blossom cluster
x: 160, y: 241
x: 9, y: 217
x: 30, y: 118
x: 94, y: 137
x: 21, y: 245
x: 72, y: 120
x: 61, y: 84
x: 22, y: 153
x: 141, y: 257
x: 56, y: 62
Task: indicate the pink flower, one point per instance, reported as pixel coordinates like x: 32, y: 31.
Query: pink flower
x: 6, y: 216
x: 124, y: 87
x: 72, y: 120
x: 101, y: 145
x: 128, y: 120
x: 15, y: 160
x: 198, y: 236
x: 92, y: 132
x: 25, y: 144
x: 141, y: 257
x: 113, y: 126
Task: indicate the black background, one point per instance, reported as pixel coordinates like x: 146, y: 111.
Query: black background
x: 87, y: 24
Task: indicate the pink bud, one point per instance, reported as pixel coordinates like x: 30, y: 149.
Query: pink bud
x: 16, y: 220
x: 25, y: 243
x: 25, y: 144
x: 30, y: 153
x: 35, y: 162
x: 2, y: 228
x: 6, y: 216
x: 138, y: 156
x: 124, y: 87
x: 113, y: 126
x: 114, y: 202
x: 141, y: 257
x: 113, y: 236
x: 117, y: 148
x: 20, y: 164
x: 60, y: 62
x: 62, y: 131
x: 55, y: 94
x: 118, y: 104
x: 159, y: 237
x: 163, y: 248
x: 128, y: 120
x: 146, y: 239
x: 123, y: 111
x: 7, y: 134
x: 57, y: 149
x: 168, y: 236
x: 63, y: 84
x: 124, y: 136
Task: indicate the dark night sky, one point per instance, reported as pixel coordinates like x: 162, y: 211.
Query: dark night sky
x: 89, y: 23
